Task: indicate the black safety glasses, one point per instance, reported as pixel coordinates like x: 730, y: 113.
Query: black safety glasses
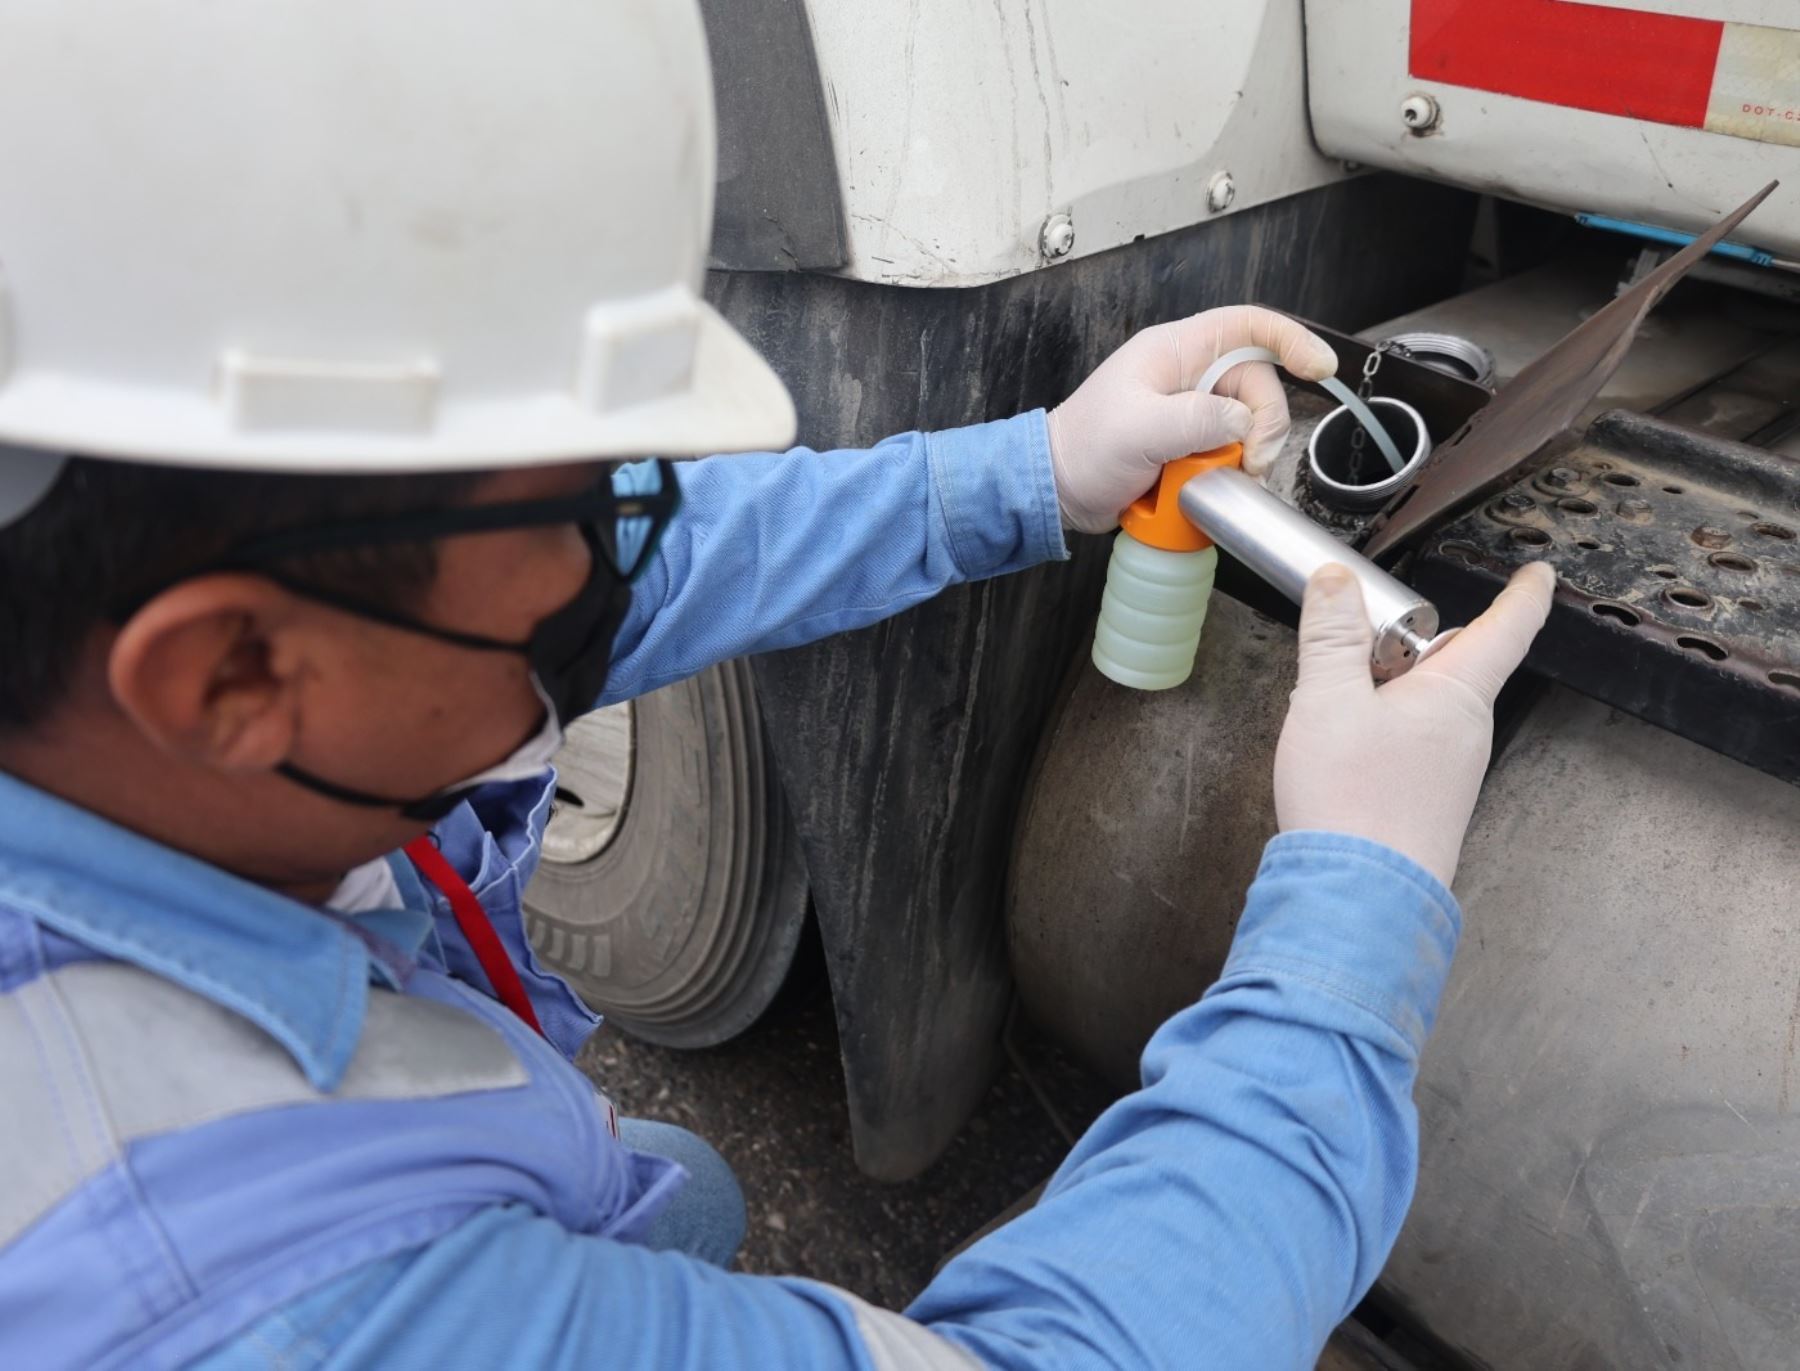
x: 625, y: 514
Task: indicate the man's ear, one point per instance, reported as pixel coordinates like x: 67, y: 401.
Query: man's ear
x: 208, y: 671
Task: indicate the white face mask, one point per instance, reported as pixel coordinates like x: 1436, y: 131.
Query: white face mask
x: 530, y: 760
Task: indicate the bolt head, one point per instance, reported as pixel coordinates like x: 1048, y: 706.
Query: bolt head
x: 1517, y: 499
x: 1420, y: 113
x: 1221, y: 190
x: 1057, y: 237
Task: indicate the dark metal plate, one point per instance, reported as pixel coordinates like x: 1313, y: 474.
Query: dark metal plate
x: 1542, y: 401
x: 1679, y: 555
x: 1445, y: 402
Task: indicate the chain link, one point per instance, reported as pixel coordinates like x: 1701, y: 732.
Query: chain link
x: 1359, y: 436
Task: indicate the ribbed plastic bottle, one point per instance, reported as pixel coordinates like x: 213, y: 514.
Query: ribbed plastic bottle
x: 1159, y: 583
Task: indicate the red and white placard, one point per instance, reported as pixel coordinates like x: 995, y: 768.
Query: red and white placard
x: 1683, y: 69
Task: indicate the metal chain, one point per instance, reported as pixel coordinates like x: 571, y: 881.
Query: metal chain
x: 1359, y: 436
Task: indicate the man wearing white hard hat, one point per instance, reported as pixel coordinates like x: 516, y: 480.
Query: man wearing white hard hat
x: 344, y: 353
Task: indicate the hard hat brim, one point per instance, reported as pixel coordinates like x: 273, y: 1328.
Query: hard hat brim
x: 732, y: 402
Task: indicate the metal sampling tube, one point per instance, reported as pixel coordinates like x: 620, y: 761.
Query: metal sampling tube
x: 1285, y: 548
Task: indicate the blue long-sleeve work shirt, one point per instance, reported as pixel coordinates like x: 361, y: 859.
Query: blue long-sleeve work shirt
x: 1227, y: 1214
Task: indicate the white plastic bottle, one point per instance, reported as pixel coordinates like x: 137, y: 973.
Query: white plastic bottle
x: 1158, y: 584
x: 1152, y: 613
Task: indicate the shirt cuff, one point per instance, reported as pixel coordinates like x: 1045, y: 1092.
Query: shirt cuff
x: 997, y: 491
x: 1355, y: 919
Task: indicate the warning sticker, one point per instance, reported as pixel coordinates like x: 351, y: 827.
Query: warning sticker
x: 1738, y: 79
x: 1756, y: 85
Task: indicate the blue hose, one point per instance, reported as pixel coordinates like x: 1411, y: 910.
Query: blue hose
x: 1675, y: 238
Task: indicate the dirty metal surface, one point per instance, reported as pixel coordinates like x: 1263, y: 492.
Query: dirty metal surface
x: 1609, y: 1174
x: 1128, y: 880
x: 1756, y: 403
x: 1701, y: 331
x: 1609, y: 1169
x: 1679, y: 559
x: 1542, y: 401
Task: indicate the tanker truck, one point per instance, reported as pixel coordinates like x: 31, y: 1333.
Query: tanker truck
x: 936, y: 214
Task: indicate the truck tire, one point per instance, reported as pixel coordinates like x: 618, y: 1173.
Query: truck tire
x: 672, y: 893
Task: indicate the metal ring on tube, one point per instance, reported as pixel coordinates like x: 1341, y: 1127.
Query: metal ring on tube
x: 1341, y: 494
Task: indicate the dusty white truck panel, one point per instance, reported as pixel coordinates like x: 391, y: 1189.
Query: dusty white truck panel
x: 1738, y: 128
x: 961, y: 130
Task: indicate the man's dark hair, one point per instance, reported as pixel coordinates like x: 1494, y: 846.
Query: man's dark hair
x: 110, y: 533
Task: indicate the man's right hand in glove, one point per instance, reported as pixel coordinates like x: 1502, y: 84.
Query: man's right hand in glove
x: 1400, y: 764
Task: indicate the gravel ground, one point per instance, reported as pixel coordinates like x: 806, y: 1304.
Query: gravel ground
x: 772, y: 1103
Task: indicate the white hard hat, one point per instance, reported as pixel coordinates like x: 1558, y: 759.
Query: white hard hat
x: 345, y: 236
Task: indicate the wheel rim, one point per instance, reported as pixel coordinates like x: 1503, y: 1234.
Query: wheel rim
x: 675, y: 912
x: 593, y: 785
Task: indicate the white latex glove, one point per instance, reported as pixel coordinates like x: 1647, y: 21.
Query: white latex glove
x: 1139, y: 409
x: 1401, y: 763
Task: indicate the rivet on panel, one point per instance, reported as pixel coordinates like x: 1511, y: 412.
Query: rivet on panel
x: 1420, y: 113
x: 1057, y: 237
x: 1221, y: 190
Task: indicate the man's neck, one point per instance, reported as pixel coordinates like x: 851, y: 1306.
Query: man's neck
x: 225, y: 822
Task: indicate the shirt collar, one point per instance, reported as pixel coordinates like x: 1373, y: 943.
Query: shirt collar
x: 299, y: 974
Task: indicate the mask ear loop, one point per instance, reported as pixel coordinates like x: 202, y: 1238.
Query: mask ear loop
x: 546, y: 739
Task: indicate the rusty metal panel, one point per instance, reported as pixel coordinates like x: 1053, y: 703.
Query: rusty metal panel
x: 1679, y: 555
x: 1542, y: 401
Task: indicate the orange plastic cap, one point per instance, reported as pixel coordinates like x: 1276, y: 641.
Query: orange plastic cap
x: 1155, y: 518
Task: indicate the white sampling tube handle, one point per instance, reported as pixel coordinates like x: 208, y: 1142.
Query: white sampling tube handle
x: 1338, y: 391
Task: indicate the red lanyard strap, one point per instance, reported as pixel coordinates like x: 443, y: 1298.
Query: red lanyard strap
x: 472, y: 919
